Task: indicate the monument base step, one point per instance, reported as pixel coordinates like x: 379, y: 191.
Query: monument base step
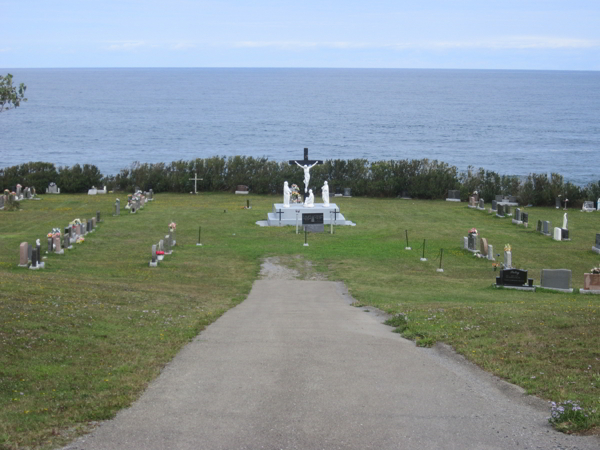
x: 589, y: 291
x: 282, y: 216
x: 453, y: 199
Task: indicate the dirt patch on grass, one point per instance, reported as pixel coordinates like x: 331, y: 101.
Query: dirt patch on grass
x: 289, y: 268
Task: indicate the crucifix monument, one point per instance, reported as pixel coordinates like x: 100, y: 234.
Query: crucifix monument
x: 195, y: 180
x: 306, y: 164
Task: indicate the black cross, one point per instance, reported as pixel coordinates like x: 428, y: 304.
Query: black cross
x: 307, y: 162
x: 335, y: 212
x: 280, y: 212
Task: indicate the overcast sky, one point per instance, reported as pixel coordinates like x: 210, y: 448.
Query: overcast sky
x: 472, y: 34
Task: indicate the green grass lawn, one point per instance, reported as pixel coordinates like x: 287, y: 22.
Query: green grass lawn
x: 82, y: 338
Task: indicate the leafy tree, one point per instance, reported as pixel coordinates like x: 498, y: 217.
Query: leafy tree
x: 10, y: 96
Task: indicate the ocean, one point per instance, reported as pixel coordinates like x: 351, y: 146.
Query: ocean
x: 512, y: 122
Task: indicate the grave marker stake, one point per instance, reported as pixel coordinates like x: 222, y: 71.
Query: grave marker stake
x: 305, y: 238
x: 423, y: 258
x: 407, y: 247
x: 199, y: 234
x: 441, y: 256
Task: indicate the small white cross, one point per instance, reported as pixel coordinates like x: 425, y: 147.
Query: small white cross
x: 196, y: 179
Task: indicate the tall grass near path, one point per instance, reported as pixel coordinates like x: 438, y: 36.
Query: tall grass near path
x: 82, y: 338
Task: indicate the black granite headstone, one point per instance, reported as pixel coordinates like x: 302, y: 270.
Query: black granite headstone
x: 313, y: 222
x: 512, y: 277
x: 525, y: 217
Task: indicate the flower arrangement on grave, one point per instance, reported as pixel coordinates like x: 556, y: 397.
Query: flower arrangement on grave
x: 160, y: 252
x: 76, y: 222
x: 595, y: 270
x: 6, y: 192
x: 507, y: 248
x: 295, y: 196
x: 80, y: 239
x: 172, y: 226
x: 473, y: 231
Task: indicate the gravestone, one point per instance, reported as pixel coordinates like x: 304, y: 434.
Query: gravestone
x: 564, y: 234
x: 1, y: 201
x: 507, y: 210
x: 518, y: 214
x: 525, y: 218
x: 465, y: 242
x: 57, y: 248
x: 596, y: 247
x: 588, y: 206
x: 313, y: 222
x: 494, y: 205
x: 483, y: 247
x: 507, y: 259
x: 472, y: 202
x: 92, y: 191
x: 52, y: 189
x: 151, y: 195
x: 29, y: 251
x: 98, y: 219
x: 67, y: 241
x: 242, y: 189
x: 557, y: 234
x: 539, y: 226
x: 481, y: 204
x: 117, y: 207
x: 557, y: 279
x: 499, y: 198
x: 38, y: 247
x: 472, y: 242
x: 347, y: 192
x: 546, y: 226
x: 453, y: 195
x: 167, y: 243
x: 153, y: 261
x: 50, y: 244
x: 500, y: 211
x: 491, y: 252
x: 557, y: 202
x: 513, y: 278
x: 34, y: 260
x: 23, y: 249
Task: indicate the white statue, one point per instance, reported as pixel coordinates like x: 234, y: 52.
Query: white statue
x: 598, y: 205
x: 287, y: 192
x: 325, y: 194
x: 565, y: 222
x: 310, y: 200
x: 306, y: 173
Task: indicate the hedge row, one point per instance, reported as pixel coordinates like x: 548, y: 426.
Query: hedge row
x: 417, y: 178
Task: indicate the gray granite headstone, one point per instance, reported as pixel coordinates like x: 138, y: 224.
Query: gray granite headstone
x: 50, y: 241
x: 499, y: 198
x: 525, y: 217
x: 500, y: 210
x: 556, y: 278
x: 494, y: 205
x: 546, y: 227
x: 507, y: 209
x: 481, y: 204
x: 518, y: 214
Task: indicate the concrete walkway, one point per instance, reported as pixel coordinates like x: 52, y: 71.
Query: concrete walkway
x: 296, y: 367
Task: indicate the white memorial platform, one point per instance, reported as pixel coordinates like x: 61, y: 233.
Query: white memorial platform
x: 282, y: 216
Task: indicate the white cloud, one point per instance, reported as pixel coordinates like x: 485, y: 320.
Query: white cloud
x: 126, y: 46
x: 520, y: 42
x: 511, y: 42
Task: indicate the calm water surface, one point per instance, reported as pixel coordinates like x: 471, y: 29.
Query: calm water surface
x: 513, y: 122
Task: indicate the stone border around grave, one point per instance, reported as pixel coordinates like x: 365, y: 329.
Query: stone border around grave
x: 589, y: 291
x: 520, y: 288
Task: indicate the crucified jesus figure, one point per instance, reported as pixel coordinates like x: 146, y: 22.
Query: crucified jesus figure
x: 306, y: 169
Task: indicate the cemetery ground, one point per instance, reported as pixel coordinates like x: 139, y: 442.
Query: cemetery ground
x: 83, y: 337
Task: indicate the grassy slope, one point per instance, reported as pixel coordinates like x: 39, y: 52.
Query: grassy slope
x: 82, y: 338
